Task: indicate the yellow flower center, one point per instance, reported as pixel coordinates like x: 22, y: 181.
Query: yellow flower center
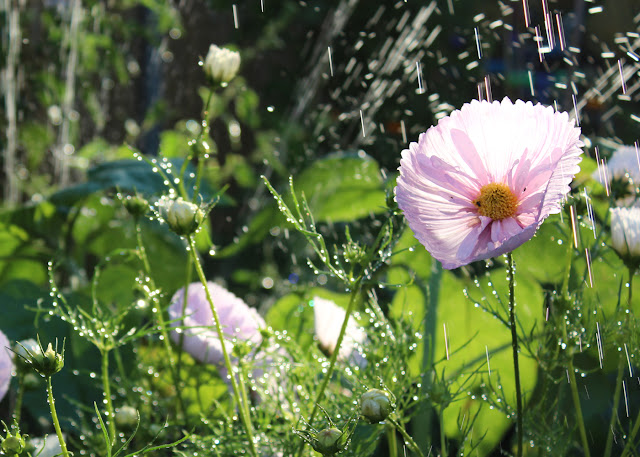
x: 496, y: 201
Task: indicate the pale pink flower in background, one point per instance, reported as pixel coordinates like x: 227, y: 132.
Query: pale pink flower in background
x: 237, y: 319
x: 6, y: 365
x: 328, y: 319
x: 480, y: 183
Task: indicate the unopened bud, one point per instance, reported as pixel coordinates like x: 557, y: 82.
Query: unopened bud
x: 135, y: 205
x: 13, y: 445
x: 47, y: 362
x: 183, y: 217
x: 329, y: 441
x: 221, y: 64
x: 375, y: 405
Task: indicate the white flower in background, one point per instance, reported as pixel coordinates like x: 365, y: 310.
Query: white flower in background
x: 623, y: 166
x: 625, y: 231
x: 328, y: 319
x: 221, y: 64
x: 6, y: 365
x: 237, y: 319
x: 49, y: 446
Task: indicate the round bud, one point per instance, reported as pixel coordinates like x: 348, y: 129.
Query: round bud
x: 183, y: 217
x: 375, y: 405
x: 329, y: 440
x: 13, y: 445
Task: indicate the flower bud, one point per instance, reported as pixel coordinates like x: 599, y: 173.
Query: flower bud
x: 127, y: 416
x: 135, y: 205
x: 221, y: 64
x: 625, y: 234
x: 329, y: 441
x: 13, y: 445
x: 182, y: 216
x: 375, y: 405
x: 47, y: 362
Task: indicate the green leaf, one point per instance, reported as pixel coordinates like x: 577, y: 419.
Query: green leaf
x: 343, y: 187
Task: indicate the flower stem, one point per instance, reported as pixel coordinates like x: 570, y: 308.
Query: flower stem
x: 392, y: 441
x: 578, y: 407
x: 514, y: 346
x: 163, y: 328
x: 614, y: 408
x: 422, y: 420
x: 17, y: 411
x: 443, y: 438
x: 106, y: 386
x: 242, y: 407
x: 407, y: 438
x: 54, y: 417
x: 632, y: 272
x: 334, y: 356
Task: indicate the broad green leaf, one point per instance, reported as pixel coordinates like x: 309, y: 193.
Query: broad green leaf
x: 342, y: 187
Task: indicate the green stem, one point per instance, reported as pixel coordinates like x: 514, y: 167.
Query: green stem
x: 334, y: 356
x: 514, y: 346
x: 614, y: 408
x: 392, y: 441
x: 163, y: 327
x: 407, y: 438
x: 636, y: 427
x: 632, y: 272
x: 106, y: 385
x: 242, y: 407
x: 54, y: 417
x: 578, y: 407
x: 443, y: 438
x: 422, y: 421
x: 567, y: 269
x: 17, y: 411
x: 204, y: 132
x: 181, y: 336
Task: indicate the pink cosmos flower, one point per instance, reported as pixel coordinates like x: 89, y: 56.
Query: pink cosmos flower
x: 201, y: 340
x: 6, y: 365
x: 481, y: 182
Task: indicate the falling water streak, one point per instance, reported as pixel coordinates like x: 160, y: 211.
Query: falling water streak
x: 605, y: 171
x: 531, y: 83
x: 590, y: 214
x: 419, y: 72
x: 403, y: 129
x: 478, y: 44
x: 525, y: 10
x: 548, y: 24
x: 568, y: 378
x: 580, y: 342
x: 622, y: 80
x: 61, y: 153
x: 626, y: 400
x: 546, y: 316
x: 538, y: 40
x: 560, y: 31
x: 487, y: 87
x: 450, y: 5
x: 235, y: 16
x: 10, y: 94
x: 574, y: 225
x: 597, y: 152
x: 480, y: 92
x: 599, y: 344
x: 626, y: 351
x: 486, y: 349
x: 364, y: 134
x: 446, y: 340
x: 575, y: 109
x: 262, y: 5
x: 586, y: 391
x: 637, y: 146
x: 586, y: 251
x: 330, y: 61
